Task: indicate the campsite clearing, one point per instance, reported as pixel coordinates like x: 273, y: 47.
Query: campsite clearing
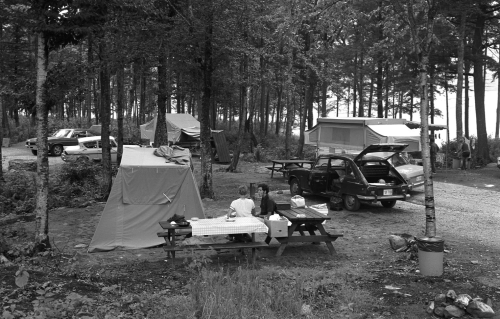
x: 364, y: 258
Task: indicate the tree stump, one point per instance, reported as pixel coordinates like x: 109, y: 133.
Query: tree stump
x: 23, y: 165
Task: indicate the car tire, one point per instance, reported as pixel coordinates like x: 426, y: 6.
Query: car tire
x: 388, y: 203
x: 351, y: 203
x: 295, y: 187
x: 57, y: 150
x: 34, y: 152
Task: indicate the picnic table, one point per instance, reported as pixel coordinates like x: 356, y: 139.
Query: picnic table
x: 302, y: 220
x: 211, y: 227
x: 282, y: 166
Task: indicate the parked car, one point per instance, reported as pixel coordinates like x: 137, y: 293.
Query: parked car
x: 59, y: 140
x: 367, y: 177
x: 89, y: 149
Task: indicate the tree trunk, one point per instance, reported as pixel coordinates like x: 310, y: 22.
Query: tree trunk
x: 42, y: 241
x: 206, y: 185
x: 303, y: 119
x: 422, y: 42
x: 361, y: 111
x: 1, y: 143
x: 477, y: 51
x: 120, y: 105
x: 324, y: 91
x: 262, y: 112
x: 105, y: 122
x: 355, y: 86
x: 241, y: 133
x: 466, y: 97
x: 279, y: 109
x: 497, y: 126
x: 370, y: 101
x: 290, y: 115
x: 161, y: 134
x: 460, y: 75
x: 90, y: 79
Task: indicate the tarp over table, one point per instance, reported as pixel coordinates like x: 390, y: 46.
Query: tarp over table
x: 146, y: 190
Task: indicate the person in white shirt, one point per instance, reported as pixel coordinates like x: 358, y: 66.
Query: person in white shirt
x: 243, y: 206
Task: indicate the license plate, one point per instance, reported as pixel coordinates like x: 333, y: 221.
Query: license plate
x: 419, y: 178
x: 387, y: 191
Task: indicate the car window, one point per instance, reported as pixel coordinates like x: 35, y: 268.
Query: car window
x: 322, y: 161
x: 337, y: 162
x: 398, y: 160
x: 62, y: 133
x: 90, y: 144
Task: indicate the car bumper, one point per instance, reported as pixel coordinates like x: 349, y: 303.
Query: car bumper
x: 379, y: 198
x: 68, y: 158
x: 416, y: 184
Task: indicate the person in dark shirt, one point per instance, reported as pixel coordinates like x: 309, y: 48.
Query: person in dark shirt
x: 267, y: 204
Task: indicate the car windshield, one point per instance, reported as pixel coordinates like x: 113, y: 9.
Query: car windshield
x: 62, y: 133
x: 399, y: 160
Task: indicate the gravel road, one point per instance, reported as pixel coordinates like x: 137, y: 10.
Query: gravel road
x: 19, y: 151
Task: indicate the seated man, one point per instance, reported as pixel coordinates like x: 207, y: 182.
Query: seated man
x: 267, y: 204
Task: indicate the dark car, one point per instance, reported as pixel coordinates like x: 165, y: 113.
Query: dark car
x: 59, y: 140
x: 367, y: 177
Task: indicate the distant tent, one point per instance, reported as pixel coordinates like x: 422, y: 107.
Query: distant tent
x: 95, y: 129
x: 181, y: 128
x: 146, y: 190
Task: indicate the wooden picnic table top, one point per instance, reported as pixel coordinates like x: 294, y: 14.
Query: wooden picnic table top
x: 295, y: 161
x: 311, y: 215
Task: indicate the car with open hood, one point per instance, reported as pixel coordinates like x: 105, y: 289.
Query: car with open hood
x: 367, y: 177
x: 59, y: 140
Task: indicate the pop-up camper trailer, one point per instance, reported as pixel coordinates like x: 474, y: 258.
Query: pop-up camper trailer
x: 356, y: 133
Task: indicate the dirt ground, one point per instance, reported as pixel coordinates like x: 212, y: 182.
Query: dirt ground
x: 467, y: 210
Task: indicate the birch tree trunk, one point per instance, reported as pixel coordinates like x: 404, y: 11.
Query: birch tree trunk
x: 421, y: 35
x: 42, y: 241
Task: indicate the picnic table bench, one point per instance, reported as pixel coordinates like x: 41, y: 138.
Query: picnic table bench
x: 310, y: 222
x: 282, y: 166
x: 213, y: 227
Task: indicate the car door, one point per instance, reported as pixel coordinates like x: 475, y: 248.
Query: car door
x: 350, y: 182
x: 318, y: 177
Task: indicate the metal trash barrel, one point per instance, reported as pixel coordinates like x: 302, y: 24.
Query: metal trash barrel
x: 455, y: 163
x: 430, y: 255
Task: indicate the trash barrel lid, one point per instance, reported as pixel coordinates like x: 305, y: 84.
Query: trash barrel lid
x: 431, y: 239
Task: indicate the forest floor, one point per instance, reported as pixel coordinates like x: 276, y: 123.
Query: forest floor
x: 468, y: 218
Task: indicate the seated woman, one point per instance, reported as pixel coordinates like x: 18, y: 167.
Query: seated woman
x: 241, y: 207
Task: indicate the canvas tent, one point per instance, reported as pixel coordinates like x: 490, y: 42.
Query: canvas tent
x: 181, y: 128
x: 146, y: 190
x: 356, y: 133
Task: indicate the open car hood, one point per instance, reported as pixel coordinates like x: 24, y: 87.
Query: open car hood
x: 389, y: 149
